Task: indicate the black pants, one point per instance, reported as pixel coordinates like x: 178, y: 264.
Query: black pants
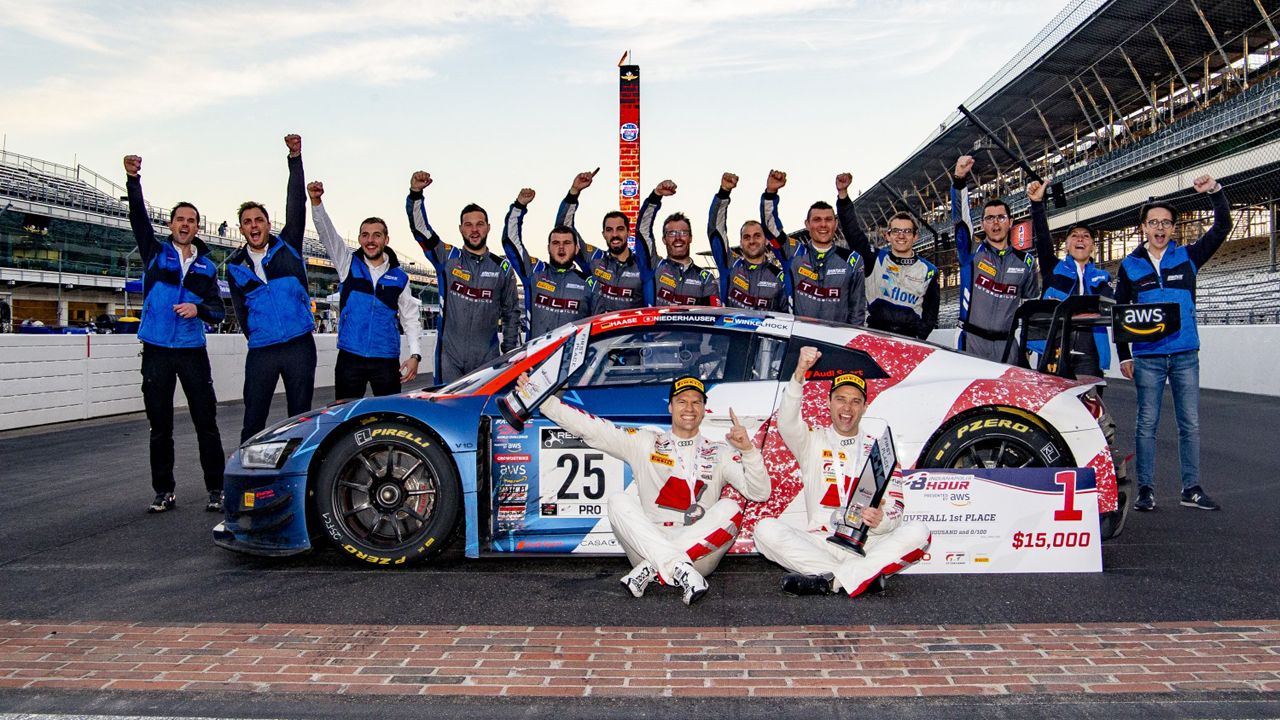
x: 295, y: 361
x: 352, y: 372
x: 162, y: 369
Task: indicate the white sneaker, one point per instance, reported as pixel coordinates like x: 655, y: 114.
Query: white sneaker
x: 639, y: 578
x: 691, y: 581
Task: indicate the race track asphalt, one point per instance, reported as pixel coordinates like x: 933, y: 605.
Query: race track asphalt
x: 76, y: 544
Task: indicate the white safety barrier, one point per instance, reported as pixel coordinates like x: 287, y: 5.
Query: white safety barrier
x: 1232, y: 357
x: 55, y: 378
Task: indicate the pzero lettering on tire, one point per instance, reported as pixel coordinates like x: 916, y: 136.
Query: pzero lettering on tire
x: 387, y: 494
x: 1001, y: 438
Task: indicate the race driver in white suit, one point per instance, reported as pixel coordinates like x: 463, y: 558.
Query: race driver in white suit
x: 671, y: 521
x: 831, y: 459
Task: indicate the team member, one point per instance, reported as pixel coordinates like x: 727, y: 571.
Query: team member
x: 1156, y: 272
x: 555, y: 292
x: 1074, y: 274
x: 676, y: 279
x: 477, y: 288
x: 376, y: 302
x: 902, y: 287
x: 672, y: 521
x: 994, y: 277
x: 827, y: 281
x: 180, y: 295
x: 268, y: 279
x: 752, y: 280
x: 618, y: 273
x: 831, y: 459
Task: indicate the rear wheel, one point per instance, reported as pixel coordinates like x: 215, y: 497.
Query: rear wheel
x: 388, y: 494
x: 995, y: 439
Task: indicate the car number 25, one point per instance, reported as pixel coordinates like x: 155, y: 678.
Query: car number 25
x: 574, y: 479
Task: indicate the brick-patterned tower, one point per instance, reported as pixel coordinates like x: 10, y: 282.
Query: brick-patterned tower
x: 629, y: 140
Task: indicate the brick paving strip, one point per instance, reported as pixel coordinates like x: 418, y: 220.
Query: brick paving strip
x: 801, y: 661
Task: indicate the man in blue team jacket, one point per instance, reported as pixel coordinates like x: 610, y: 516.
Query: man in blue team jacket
x: 180, y: 295
x: 1157, y: 272
x: 268, y: 279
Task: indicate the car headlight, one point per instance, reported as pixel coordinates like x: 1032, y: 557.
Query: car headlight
x: 267, y: 455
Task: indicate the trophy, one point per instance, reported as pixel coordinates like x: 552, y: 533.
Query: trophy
x: 849, y: 530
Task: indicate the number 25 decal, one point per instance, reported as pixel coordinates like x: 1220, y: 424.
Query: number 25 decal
x: 589, y: 471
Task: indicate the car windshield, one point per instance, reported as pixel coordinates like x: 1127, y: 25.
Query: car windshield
x: 479, y: 377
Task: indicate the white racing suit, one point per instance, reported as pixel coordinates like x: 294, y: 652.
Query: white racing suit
x: 828, y: 464
x: 672, y: 512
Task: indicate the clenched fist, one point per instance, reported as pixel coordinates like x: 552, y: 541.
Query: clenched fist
x: 775, y: 182
x: 294, y: 143
x: 525, y: 196
x: 132, y: 165
x: 964, y: 164
x: 419, y: 181
x: 1035, y: 191
x: 666, y: 188
x: 843, y: 181
x: 1206, y: 184
x: 316, y: 191
x: 728, y: 182
x: 809, y: 356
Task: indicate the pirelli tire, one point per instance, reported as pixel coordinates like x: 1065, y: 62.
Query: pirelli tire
x: 387, y: 494
x: 997, y: 438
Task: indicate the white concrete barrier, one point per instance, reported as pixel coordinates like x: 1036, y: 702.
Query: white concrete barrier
x: 55, y: 378
x: 1232, y: 357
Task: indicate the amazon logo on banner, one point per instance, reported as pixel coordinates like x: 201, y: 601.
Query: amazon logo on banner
x: 1147, y: 322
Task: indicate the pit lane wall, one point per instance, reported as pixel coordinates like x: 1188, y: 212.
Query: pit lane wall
x: 55, y: 378
x: 1238, y: 358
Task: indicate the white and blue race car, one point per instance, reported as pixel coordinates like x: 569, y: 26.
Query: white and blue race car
x: 390, y: 480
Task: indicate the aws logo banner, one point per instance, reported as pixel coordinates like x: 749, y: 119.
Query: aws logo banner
x: 1147, y: 322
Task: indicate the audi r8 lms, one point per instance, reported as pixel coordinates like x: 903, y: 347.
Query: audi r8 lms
x: 390, y: 480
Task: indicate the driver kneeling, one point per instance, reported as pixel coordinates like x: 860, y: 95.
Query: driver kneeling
x: 831, y: 459
x: 671, y: 521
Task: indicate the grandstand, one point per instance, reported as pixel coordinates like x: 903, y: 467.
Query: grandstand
x: 66, y: 250
x: 1122, y: 101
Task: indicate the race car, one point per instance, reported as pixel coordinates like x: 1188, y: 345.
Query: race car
x: 390, y: 480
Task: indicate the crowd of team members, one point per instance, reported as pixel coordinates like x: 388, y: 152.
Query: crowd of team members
x: 807, y: 273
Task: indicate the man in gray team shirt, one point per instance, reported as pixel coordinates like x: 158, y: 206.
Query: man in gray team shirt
x: 555, y: 292
x: 477, y: 288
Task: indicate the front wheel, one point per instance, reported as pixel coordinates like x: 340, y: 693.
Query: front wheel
x: 387, y: 494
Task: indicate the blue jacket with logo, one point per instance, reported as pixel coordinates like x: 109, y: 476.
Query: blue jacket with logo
x: 163, y: 284
x: 370, y: 325
x: 1173, y: 282
x: 279, y: 309
x: 1061, y: 280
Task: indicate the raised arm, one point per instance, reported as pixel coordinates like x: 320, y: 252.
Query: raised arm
x: 849, y: 225
x: 566, y: 215
x: 416, y: 208
x: 1201, y: 250
x: 929, y: 310
x: 960, y: 215
x: 513, y: 235
x: 791, y: 425
x: 1046, y: 258
x: 144, y: 233
x: 295, y: 204
x: 857, y: 307
x: 338, y: 252
x: 718, y: 230
x: 781, y: 245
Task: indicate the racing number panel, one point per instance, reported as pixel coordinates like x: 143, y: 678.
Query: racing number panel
x: 550, y: 489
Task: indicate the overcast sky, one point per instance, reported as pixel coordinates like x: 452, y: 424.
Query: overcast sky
x: 492, y: 95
